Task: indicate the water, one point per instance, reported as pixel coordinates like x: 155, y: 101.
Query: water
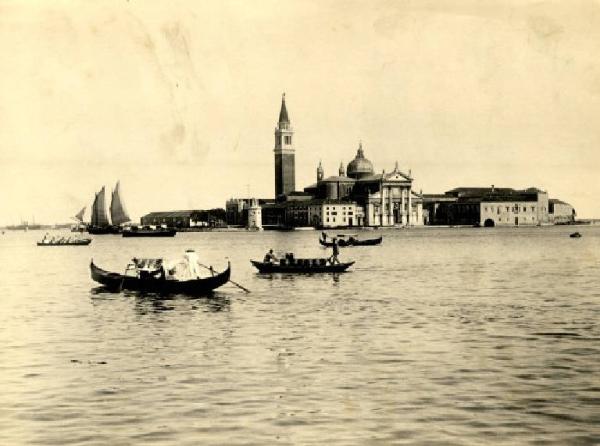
x: 438, y: 336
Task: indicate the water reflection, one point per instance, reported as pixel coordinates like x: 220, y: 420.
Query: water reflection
x: 145, y: 303
x: 299, y: 277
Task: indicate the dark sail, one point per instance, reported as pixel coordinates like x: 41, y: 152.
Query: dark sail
x: 118, y: 214
x: 99, y: 217
x: 79, y: 215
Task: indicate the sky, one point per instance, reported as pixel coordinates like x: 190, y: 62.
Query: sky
x: 179, y: 99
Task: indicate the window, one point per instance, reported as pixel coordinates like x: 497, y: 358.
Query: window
x: 288, y: 139
x: 507, y: 209
x: 485, y: 209
x: 327, y: 219
x: 350, y: 212
x: 532, y: 208
x: 498, y: 210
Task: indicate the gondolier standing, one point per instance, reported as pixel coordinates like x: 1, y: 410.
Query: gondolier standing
x: 336, y: 251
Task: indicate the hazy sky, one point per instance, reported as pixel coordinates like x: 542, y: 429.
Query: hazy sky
x: 179, y: 100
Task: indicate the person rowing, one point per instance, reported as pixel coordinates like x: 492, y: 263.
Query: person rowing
x: 270, y: 257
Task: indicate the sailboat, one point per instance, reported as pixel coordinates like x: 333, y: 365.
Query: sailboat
x: 99, y: 221
x: 80, y: 226
x: 118, y: 214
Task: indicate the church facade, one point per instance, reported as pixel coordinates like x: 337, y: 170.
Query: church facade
x: 356, y: 196
x: 383, y: 199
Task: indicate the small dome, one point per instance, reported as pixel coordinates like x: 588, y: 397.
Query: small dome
x: 360, y: 166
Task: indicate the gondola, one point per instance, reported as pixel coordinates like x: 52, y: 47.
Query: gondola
x: 158, y: 284
x: 575, y: 235
x: 81, y: 242
x: 301, y: 266
x: 342, y: 243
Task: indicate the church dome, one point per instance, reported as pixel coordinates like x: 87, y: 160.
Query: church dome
x: 360, y: 166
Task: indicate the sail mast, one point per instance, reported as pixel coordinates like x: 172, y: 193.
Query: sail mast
x: 118, y: 213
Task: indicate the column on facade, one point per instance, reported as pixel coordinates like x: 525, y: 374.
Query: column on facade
x: 403, y: 205
x: 382, y: 208
x: 409, y: 220
x: 390, y: 207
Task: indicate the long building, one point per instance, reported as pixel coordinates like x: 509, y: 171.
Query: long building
x: 186, y: 219
x: 492, y: 206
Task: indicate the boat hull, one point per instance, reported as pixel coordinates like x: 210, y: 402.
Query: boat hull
x: 149, y: 233
x: 345, y: 243
x: 101, y: 230
x: 83, y: 242
x: 117, y: 282
x: 300, y: 269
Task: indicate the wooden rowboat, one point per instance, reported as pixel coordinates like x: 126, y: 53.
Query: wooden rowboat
x: 158, y: 284
x: 82, y: 242
x: 301, y: 266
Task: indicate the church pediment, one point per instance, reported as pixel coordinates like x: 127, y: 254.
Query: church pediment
x: 397, y: 177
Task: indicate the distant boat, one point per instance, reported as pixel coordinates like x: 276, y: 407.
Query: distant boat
x: 291, y: 265
x: 78, y: 242
x: 147, y: 231
x: 99, y: 220
x: 351, y: 241
x: 575, y: 235
x: 80, y: 226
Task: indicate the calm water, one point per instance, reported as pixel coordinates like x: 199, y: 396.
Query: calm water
x: 439, y: 336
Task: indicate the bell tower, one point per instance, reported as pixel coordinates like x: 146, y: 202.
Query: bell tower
x: 285, y: 166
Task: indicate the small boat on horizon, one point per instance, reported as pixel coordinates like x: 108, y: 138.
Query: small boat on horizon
x: 65, y: 242
x: 148, y: 231
x: 350, y: 241
x: 575, y: 235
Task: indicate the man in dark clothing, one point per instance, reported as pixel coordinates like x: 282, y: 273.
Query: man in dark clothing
x: 336, y: 251
x: 270, y: 257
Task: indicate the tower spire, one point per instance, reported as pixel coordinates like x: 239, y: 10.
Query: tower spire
x: 283, y: 114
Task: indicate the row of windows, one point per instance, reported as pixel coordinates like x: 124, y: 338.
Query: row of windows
x: 336, y: 207
x: 333, y: 219
x: 335, y: 213
x: 514, y: 208
x: 509, y: 220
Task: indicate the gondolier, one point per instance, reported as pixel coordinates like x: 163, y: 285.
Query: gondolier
x: 336, y: 251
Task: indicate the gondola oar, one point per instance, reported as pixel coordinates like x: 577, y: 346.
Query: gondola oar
x: 235, y: 283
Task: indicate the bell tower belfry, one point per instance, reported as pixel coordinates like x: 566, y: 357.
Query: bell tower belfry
x: 285, y: 165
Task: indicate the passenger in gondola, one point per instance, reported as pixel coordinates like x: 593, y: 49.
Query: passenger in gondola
x: 336, y: 251
x: 324, y: 236
x: 270, y: 257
